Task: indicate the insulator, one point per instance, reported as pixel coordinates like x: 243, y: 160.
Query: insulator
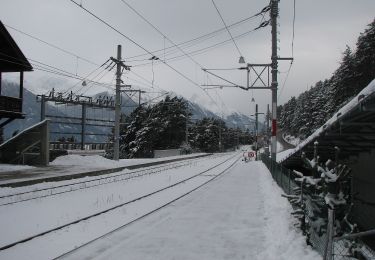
x: 266, y: 9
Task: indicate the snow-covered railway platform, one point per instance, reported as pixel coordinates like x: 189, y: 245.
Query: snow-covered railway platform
x: 215, y: 207
x: 239, y: 215
x: 77, y: 166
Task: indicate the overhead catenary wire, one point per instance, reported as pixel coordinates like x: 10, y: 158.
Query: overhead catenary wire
x: 86, y: 77
x: 294, y: 21
x: 146, y: 80
x: 52, y: 45
x: 133, y: 41
x: 191, y: 41
x: 60, y: 72
x: 222, y: 19
x: 161, y: 33
x: 140, y: 46
x: 292, y: 46
x: 202, y: 50
x: 48, y: 68
x: 97, y: 77
x: 172, y: 42
x: 178, y: 47
x: 286, y: 78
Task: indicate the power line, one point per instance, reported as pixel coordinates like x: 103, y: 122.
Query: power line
x: 178, y: 47
x: 294, y: 21
x: 140, y: 46
x: 166, y: 37
x: 48, y: 68
x: 202, y: 50
x: 146, y: 80
x: 98, y: 79
x: 52, y: 45
x: 60, y: 72
x: 222, y: 19
x: 161, y: 33
x: 291, y: 63
x: 87, y: 76
x: 286, y: 78
x: 202, y: 37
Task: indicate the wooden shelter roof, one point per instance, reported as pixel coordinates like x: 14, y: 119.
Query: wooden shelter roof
x: 11, y: 57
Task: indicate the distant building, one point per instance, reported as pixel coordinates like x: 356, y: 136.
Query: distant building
x: 11, y: 60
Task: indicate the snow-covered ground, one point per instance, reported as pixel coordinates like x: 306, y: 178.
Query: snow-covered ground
x: 12, y: 167
x: 292, y: 139
x: 279, y: 149
x: 280, y: 156
x: 239, y: 215
x: 73, y: 164
x: 97, y: 161
x: 50, y: 212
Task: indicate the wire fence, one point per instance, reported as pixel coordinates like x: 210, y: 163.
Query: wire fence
x: 315, y: 223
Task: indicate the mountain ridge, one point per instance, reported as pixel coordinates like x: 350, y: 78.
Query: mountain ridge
x: 31, y: 109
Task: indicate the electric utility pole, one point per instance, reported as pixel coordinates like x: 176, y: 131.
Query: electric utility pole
x: 116, y: 141
x: 264, y: 84
x: 256, y: 132
x: 268, y: 123
x: 120, y: 65
x: 274, y: 84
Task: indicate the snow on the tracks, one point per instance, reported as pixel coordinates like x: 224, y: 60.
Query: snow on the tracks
x: 46, y: 213
x: 14, y: 167
x: 239, y: 216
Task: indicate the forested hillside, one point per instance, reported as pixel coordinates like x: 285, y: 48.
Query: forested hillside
x: 302, y: 115
x: 168, y: 125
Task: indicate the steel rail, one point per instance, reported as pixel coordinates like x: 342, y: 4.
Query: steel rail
x: 123, y: 204
x: 140, y: 172
x: 152, y: 211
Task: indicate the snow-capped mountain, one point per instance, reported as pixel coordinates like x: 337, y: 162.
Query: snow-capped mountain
x: 233, y: 120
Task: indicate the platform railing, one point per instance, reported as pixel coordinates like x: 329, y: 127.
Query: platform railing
x: 31, y: 146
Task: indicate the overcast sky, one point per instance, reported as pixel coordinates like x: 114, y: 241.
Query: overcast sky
x: 323, y: 28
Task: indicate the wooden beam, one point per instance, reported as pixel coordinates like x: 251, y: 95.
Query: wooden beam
x: 370, y: 124
x: 6, y: 122
x: 21, y: 86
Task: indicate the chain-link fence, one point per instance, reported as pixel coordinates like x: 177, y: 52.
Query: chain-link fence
x: 314, y: 218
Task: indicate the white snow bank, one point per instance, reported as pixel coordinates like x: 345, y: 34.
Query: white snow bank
x: 89, y: 161
x: 345, y: 109
x: 292, y: 139
x: 97, y: 161
x: 13, y: 167
x: 280, y: 156
x: 280, y: 147
x: 282, y: 238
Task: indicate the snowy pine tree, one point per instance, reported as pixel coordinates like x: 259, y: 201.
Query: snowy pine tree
x: 301, y: 116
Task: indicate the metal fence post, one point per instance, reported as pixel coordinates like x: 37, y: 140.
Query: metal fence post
x: 328, y: 254
x: 303, y: 224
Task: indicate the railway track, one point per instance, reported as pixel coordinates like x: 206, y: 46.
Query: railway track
x: 23, y: 196
x: 205, y: 173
